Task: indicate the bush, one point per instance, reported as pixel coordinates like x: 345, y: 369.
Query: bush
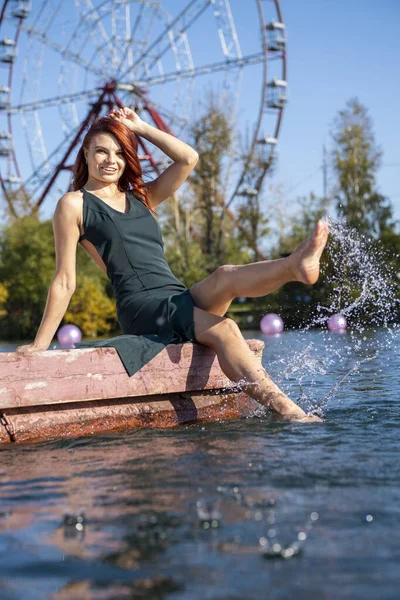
x: 90, y: 309
x: 27, y: 267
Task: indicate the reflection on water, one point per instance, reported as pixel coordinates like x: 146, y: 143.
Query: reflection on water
x: 209, y: 510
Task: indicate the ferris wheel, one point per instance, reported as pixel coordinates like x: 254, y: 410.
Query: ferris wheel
x: 63, y: 63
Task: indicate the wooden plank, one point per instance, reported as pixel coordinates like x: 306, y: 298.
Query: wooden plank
x: 60, y: 376
x: 38, y: 423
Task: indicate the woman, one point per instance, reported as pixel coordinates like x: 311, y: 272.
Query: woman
x: 111, y: 214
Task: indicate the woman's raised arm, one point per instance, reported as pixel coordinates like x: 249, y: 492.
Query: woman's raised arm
x: 184, y: 156
x: 62, y: 287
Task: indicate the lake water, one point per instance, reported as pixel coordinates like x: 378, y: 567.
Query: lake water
x: 240, y: 510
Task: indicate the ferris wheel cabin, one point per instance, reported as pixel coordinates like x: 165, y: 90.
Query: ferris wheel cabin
x: 277, y: 93
x: 4, y: 97
x: 5, y: 143
x: 9, y: 54
x: 276, y: 36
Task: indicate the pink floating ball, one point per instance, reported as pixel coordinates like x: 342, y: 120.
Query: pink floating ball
x: 68, y: 335
x: 337, y: 324
x: 271, y: 324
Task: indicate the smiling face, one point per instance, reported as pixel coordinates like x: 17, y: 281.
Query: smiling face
x: 105, y: 158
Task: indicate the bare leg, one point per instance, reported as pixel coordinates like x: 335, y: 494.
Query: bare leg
x: 237, y: 362
x: 216, y: 292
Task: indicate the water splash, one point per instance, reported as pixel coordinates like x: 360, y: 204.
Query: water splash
x: 364, y: 282
x: 364, y: 286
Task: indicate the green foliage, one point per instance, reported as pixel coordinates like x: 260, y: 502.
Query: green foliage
x: 90, y: 309
x: 212, y: 137
x: 3, y: 299
x: 187, y: 261
x: 27, y: 267
x: 199, y: 235
x: 355, y: 160
x: 249, y: 206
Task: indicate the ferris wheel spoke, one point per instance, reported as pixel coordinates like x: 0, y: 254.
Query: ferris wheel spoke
x: 227, y: 29
x: 174, y: 118
x: 34, y: 138
x: 55, y: 101
x: 39, y: 176
x: 63, y: 50
x: 140, y: 33
x: 96, y: 29
x: 176, y: 28
x: 204, y: 70
x: 121, y: 36
x: 68, y: 110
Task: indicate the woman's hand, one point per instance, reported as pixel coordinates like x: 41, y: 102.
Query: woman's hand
x: 127, y: 117
x: 28, y: 348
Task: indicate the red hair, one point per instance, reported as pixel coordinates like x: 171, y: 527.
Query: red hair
x: 131, y: 179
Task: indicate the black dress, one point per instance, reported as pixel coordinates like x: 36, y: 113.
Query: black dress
x: 154, y: 308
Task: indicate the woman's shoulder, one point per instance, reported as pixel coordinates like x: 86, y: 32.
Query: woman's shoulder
x: 71, y: 200
x: 72, y: 197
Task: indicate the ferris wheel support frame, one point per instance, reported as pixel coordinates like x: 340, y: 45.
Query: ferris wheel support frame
x: 250, y: 155
x: 173, y: 34
x: 10, y: 74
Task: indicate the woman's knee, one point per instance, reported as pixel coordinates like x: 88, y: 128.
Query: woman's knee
x: 211, y: 329
x: 228, y: 328
x: 224, y: 279
x: 223, y: 271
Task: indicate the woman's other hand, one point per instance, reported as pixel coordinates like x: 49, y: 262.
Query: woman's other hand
x: 127, y: 117
x: 29, y: 348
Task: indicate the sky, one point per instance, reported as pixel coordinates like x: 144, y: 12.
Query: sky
x: 336, y: 50
x: 339, y: 49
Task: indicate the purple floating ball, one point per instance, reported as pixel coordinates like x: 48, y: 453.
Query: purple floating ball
x: 68, y: 335
x: 271, y: 324
x: 337, y: 324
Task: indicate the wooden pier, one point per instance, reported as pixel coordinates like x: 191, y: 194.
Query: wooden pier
x: 81, y: 392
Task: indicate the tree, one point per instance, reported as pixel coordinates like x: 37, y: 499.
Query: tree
x: 27, y: 266
x: 250, y: 209
x: 198, y: 233
x: 212, y: 138
x: 355, y: 160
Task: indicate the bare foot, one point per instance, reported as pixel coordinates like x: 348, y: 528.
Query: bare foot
x: 298, y: 418
x: 310, y: 419
x: 305, y: 258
